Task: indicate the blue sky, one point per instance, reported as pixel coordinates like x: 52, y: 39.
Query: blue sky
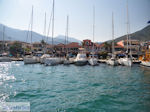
x: 16, y: 14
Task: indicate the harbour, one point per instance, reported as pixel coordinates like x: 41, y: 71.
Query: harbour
x: 88, y: 88
x: 74, y: 56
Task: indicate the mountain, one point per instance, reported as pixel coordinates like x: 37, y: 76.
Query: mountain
x: 142, y: 35
x: 21, y: 35
x: 61, y: 39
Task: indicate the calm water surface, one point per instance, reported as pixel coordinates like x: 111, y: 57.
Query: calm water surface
x: 76, y: 89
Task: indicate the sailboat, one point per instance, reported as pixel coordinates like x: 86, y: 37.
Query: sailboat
x: 93, y: 61
x: 127, y: 61
x: 51, y: 61
x: 30, y: 59
x: 4, y: 57
x: 112, y: 61
x: 145, y: 59
x: 44, y: 56
x: 67, y: 61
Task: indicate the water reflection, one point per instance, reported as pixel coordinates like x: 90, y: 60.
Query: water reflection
x: 5, y: 78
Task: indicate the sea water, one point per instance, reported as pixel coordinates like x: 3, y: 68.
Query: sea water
x: 73, y: 88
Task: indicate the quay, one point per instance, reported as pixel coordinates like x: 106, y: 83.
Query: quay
x: 17, y: 59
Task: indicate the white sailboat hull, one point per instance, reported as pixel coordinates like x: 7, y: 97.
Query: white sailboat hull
x: 127, y: 62
x: 43, y: 57
x: 93, y: 61
x: 30, y: 60
x: 51, y: 61
x: 42, y: 60
x: 61, y: 60
x: 120, y: 61
x: 145, y: 63
x: 5, y: 59
x: 112, y: 62
x: 67, y: 62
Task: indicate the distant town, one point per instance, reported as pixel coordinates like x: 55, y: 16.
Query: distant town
x: 102, y: 50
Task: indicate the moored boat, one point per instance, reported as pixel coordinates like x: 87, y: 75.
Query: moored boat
x: 5, y: 59
x: 67, y: 61
x: 112, y: 61
x: 51, y: 61
x: 30, y: 60
x: 93, y: 61
x: 145, y: 59
x: 120, y: 61
x: 127, y: 60
x: 43, y: 57
x: 145, y: 63
x: 81, y: 58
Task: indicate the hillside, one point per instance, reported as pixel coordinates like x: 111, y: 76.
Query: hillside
x: 142, y: 35
x: 21, y: 35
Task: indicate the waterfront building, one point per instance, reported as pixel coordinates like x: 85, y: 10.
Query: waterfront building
x: 134, y: 45
x: 73, y: 47
x: 37, y: 46
x: 60, y: 47
x: 88, y: 44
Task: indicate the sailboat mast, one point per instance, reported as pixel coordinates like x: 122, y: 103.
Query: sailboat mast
x: 28, y: 33
x: 49, y: 26
x: 31, y: 23
x: 127, y: 30
x: 93, y: 30
x: 67, y: 31
x: 3, y: 38
x: 44, y: 32
x: 112, y: 34
x: 53, y: 22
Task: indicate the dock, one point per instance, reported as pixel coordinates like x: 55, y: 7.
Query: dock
x: 17, y: 59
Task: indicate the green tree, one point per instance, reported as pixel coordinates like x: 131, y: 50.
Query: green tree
x: 16, y: 48
x: 27, y: 50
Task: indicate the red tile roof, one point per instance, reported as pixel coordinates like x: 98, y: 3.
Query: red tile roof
x: 119, y: 46
x: 101, y: 45
x: 73, y: 45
